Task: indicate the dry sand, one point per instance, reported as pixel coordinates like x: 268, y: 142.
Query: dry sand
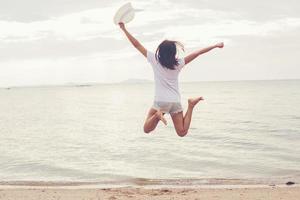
x: 197, y: 193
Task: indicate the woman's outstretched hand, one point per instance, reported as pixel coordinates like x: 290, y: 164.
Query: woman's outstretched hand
x: 122, y: 25
x: 220, y: 45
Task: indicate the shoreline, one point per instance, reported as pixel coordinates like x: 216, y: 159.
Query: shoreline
x: 157, y: 183
x: 246, y: 192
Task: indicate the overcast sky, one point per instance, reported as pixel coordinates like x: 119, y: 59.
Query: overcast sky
x: 75, y: 41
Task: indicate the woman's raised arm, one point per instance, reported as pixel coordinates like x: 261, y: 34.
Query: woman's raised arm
x: 195, y: 54
x: 134, y: 41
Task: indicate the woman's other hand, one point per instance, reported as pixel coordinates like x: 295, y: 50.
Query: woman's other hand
x: 220, y: 45
x: 122, y: 25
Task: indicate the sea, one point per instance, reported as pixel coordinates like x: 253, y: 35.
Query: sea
x: 243, y: 130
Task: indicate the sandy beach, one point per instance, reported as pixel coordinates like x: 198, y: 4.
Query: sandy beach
x: 126, y: 193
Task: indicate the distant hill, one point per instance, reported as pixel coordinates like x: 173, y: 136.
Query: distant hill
x: 137, y: 81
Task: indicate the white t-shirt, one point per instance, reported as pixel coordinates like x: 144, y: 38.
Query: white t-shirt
x: 166, y: 80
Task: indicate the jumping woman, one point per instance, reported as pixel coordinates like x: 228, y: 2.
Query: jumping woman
x: 166, y: 67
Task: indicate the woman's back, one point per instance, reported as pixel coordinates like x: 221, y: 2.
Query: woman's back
x: 166, y: 80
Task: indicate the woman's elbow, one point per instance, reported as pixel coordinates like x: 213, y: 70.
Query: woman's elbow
x: 136, y: 45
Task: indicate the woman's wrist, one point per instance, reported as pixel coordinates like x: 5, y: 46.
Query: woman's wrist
x: 122, y: 26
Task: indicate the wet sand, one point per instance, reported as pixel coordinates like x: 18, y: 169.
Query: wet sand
x: 163, y: 193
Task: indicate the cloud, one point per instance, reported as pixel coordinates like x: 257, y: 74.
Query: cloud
x: 76, y: 34
x: 225, y: 29
x: 39, y: 10
x: 266, y: 10
x: 55, y: 48
x: 159, y: 20
x: 71, y: 26
x: 250, y: 57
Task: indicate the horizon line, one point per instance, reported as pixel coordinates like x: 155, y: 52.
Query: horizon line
x: 132, y: 81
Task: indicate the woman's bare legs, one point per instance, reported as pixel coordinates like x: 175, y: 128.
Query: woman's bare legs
x: 182, y: 123
x: 154, y: 116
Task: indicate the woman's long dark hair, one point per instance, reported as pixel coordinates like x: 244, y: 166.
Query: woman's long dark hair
x: 166, y: 53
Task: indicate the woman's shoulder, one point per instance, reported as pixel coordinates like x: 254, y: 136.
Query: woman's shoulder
x: 151, y: 57
x: 181, y: 63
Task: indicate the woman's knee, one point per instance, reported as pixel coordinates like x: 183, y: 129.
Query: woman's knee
x: 181, y: 132
x: 147, y: 130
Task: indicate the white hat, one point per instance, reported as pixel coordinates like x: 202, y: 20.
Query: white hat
x: 125, y: 14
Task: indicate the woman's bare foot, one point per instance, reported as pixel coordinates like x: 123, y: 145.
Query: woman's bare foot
x: 160, y: 115
x: 194, y: 101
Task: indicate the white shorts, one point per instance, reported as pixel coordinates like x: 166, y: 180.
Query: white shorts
x: 167, y: 107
